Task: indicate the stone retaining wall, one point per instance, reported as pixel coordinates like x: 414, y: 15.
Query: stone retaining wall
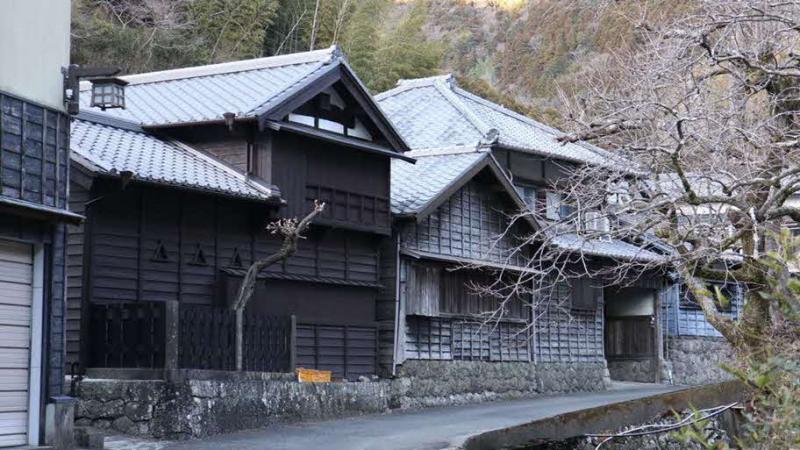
x: 435, y: 383
x: 198, y: 408
x: 696, y: 360
x: 185, y: 408
x: 640, y: 370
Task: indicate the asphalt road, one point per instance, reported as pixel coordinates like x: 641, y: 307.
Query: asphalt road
x: 427, y: 429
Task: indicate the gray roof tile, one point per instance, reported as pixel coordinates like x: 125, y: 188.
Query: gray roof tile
x: 110, y: 149
x: 611, y: 248
x: 435, y: 112
x: 416, y: 185
x: 203, y: 93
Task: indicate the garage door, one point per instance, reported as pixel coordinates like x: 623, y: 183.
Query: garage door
x: 16, y: 293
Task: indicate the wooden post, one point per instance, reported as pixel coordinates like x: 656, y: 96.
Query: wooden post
x: 293, y: 344
x: 172, y: 335
x: 239, y: 339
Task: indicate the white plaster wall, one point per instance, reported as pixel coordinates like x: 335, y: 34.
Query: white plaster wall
x: 34, y: 46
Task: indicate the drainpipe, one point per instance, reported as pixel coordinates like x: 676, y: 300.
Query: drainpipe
x: 396, y: 305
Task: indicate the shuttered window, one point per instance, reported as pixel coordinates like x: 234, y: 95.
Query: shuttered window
x: 583, y: 294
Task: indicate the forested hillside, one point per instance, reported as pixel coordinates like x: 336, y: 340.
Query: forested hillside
x: 515, y: 51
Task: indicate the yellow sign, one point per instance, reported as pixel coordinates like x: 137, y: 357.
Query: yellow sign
x: 313, y: 376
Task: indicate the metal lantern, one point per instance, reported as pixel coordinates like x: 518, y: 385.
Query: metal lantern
x: 108, y: 93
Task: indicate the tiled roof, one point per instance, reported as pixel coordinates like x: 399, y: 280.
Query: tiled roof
x: 611, y: 248
x: 416, y: 185
x: 203, y: 93
x: 111, y: 146
x: 435, y: 112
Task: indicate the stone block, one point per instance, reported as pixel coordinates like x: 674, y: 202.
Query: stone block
x: 138, y: 411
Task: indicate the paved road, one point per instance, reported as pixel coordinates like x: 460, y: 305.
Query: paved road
x: 428, y: 429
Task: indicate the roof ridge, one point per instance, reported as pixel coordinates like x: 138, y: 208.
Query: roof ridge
x: 324, y: 55
x: 449, y: 94
x: 530, y: 121
x: 405, y: 84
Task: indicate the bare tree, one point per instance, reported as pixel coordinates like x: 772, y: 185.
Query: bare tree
x: 708, y: 107
x: 292, y: 231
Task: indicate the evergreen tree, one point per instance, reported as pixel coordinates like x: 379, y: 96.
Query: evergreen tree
x: 405, y: 52
x: 231, y: 29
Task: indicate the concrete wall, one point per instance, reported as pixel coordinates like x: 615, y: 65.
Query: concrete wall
x: 696, y: 360
x: 35, y: 45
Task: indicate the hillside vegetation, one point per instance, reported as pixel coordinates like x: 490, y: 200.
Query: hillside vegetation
x: 517, y: 52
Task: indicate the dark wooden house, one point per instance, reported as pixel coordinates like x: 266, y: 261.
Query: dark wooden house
x: 177, y: 190
x: 452, y: 209
x: 579, y: 322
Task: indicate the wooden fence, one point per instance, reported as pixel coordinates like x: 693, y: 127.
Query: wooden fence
x: 207, y: 337
x: 267, y: 343
x: 127, y: 335
x: 133, y: 335
x: 349, y: 351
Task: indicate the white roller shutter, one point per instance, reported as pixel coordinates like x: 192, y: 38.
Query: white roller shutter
x: 16, y: 294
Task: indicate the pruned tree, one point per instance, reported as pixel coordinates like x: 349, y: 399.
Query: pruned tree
x: 704, y: 118
x: 292, y: 231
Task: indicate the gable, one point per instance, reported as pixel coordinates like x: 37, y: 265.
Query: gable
x: 333, y: 103
x: 470, y: 224
x: 335, y: 111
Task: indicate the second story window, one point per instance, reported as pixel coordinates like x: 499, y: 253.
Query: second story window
x: 528, y: 194
x: 552, y: 205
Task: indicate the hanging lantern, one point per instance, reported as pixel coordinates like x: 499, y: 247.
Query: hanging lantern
x: 108, y: 93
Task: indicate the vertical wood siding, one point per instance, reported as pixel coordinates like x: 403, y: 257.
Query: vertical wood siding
x: 78, y: 196
x: 151, y: 244
x: 355, y: 185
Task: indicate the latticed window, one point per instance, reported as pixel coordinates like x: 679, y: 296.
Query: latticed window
x: 729, y: 291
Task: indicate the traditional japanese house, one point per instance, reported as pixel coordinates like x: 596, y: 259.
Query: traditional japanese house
x: 591, y: 325
x: 177, y: 189
x: 34, y: 155
x: 452, y: 210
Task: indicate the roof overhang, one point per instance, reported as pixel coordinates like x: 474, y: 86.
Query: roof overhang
x: 40, y: 212
x: 466, y: 261
x: 334, y: 138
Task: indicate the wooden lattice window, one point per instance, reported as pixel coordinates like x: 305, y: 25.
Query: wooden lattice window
x: 729, y: 291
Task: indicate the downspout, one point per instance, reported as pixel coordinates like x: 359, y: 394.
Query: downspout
x: 396, y: 305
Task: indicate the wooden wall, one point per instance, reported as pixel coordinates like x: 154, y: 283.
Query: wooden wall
x: 354, y: 184
x: 33, y: 152
x: 159, y: 244
x: 467, y: 225
x: 567, y: 334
